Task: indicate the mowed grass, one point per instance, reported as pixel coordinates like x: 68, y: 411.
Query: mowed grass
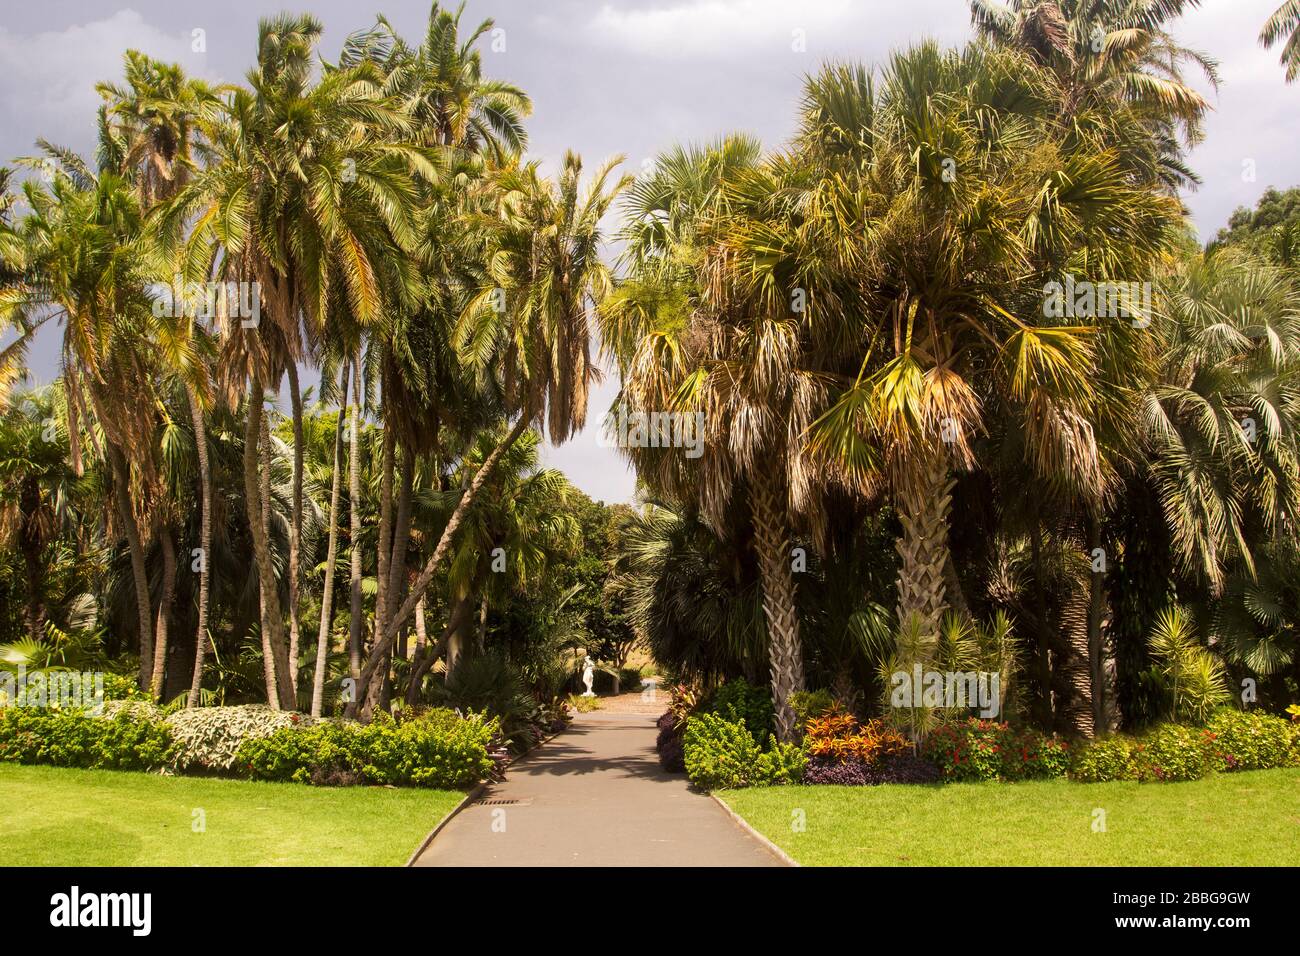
x: 54, y: 816
x: 1236, y: 819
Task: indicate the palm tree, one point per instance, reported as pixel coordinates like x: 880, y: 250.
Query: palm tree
x: 150, y: 130
x: 1220, y: 417
x: 971, y: 199
x: 442, y: 87
x: 718, y: 336
x: 546, y: 274
x: 1112, y: 52
x: 1284, y: 27
x: 318, y: 214
x: 83, y: 249
x: 36, y: 488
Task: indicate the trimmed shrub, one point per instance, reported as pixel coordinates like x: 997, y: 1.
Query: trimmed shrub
x: 1249, y: 740
x: 740, y: 701
x: 130, y: 740
x: 1103, y: 760
x: 779, y: 764
x: 1171, y: 753
x: 209, y: 738
x: 1033, y: 756
x: 720, y: 754
x: 436, y: 749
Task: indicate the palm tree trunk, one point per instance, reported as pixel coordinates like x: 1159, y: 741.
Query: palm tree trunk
x: 356, y: 629
x: 1096, y: 611
x: 422, y: 583
x: 131, y: 529
x: 425, y: 661
x: 164, y: 614
x: 397, y: 577
x: 205, y: 540
x: 482, y: 621
x: 30, y: 542
x: 295, y: 524
x: 784, y: 651
x: 1076, y: 619
x: 924, y: 493
x: 421, y: 628
x: 256, y: 506
x: 383, y: 554
x: 331, y: 556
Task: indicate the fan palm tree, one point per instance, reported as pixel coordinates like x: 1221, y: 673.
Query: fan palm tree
x: 970, y: 199
x: 1284, y: 27
x: 700, y: 327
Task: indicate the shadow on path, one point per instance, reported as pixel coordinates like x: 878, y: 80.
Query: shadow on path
x: 595, y: 796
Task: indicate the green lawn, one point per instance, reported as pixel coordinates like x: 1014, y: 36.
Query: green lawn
x: 61, y: 817
x: 1224, y: 820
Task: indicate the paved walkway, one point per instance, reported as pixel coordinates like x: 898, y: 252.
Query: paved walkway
x: 595, y: 796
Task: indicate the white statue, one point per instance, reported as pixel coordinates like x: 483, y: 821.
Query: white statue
x: 588, y: 675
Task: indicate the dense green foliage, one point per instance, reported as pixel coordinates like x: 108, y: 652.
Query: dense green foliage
x: 436, y: 749
x: 72, y: 738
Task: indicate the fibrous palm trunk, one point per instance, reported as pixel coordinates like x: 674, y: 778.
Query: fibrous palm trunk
x: 257, y: 493
x: 1075, y: 618
x: 205, y: 541
x: 163, y: 628
x: 923, y: 489
x: 785, y: 654
x: 356, y: 623
x: 135, y: 546
x: 331, y: 557
x: 295, y: 524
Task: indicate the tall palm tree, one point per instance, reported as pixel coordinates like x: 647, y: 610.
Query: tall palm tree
x: 1284, y: 27
x: 87, y: 264
x: 442, y: 86
x: 529, y: 327
x: 151, y: 131
x: 971, y: 198
x: 307, y: 216
x: 718, y: 337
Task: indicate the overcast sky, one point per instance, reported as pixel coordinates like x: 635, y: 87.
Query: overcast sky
x: 627, y: 77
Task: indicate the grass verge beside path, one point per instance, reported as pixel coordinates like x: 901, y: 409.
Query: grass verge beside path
x: 1231, y: 819
x: 55, y: 816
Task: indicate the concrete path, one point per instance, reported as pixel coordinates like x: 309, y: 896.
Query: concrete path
x: 595, y: 796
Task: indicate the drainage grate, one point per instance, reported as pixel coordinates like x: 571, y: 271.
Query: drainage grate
x: 503, y: 803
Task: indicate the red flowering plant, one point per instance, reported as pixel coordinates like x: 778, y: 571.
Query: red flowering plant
x: 975, y: 750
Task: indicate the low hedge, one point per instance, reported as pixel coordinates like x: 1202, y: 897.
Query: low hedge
x: 436, y: 749
x: 1169, y: 753
x: 130, y: 739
